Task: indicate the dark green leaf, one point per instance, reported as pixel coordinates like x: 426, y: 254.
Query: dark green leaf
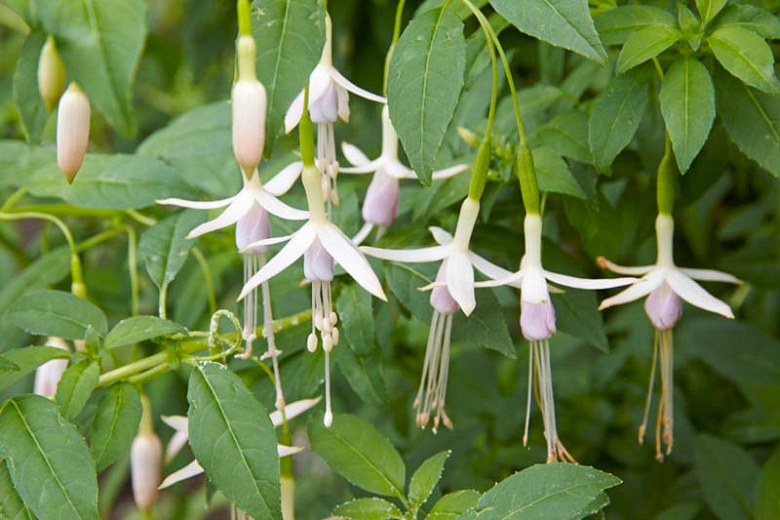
x: 452, y: 505
x: 404, y: 282
x: 426, y: 477
x: 76, y: 386
x: 164, y: 247
x: 27, y: 99
x: 554, y: 175
x: 232, y: 437
x: 645, y: 44
x: 357, y: 319
x: 48, y: 460
x: 727, y: 475
x: 354, y: 449
x: 617, y: 25
x: 746, y: 55
x: 485, y: 326
x: 140, y: 328
x: 373, y: 508
x: 116, y: 422
x: 563, y: 23
x: 57, y: 313
x: 767, y: 498
x: 11, y: 506
x: 364, y: 374
x: 27, y: 360
x: 750, y: 17
x: 425, y: 80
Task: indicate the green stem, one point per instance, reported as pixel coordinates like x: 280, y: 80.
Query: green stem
x: 244, y: 18
x: 207, y: 278
x: 163, y: 302
x: 98, y: 239
x: 141, y: 219
x: 305, y: 132
x: 13, y: 199
x: 666, y: 178
x: 399, y: 13
x: 132, y: 265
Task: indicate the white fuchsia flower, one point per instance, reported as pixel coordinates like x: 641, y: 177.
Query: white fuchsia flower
x: 665, y: 284
x: 72, y: 130
x: 180, y: 424
x: 538, y: 325
x: 381, y: 203
x: 248, y: 108
x: 48, y: 375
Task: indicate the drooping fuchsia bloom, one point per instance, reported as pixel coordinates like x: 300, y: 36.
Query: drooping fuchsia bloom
x: 381, y: 203
x: 538, y: 325
x: 665, y: 284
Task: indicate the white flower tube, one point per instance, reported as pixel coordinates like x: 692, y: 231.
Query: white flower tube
x: 249, y: 104
x: 48, y: 375
x: 145, y: 460
x: 72, y: 131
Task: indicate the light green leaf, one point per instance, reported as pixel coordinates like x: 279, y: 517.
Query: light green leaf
x: 617, y: 25
x: 100, y: 42
x: 373, y: 508
x: 140, y: 328
x: 354, y: 449
x: 357, y: 319
x: 76, y: 386
x: 164, y: 247
x: 116, y: 422
x: 46, y: 270
x: 767, y: 498
x: 615, y: 117
x: 709, y: 9
x: 645, y: 44
x: 11, y: 506
x: 32, y: 111
x: 48, y: 460
x: 554, y: 175
x: 452, y: 505
x: 687, y: 100
x: 426, y: 477
x: 57, y: 313
x: 752, y: 119
x: 561, y: 491
x: 232, y: 437
x: 27, y: 360
x: 485, y: 326
x: 747, y: 56
x: 727, y: 475
x: 563, y: 23
x: 425, y: 80
x: 290, y: 35
x: 8, y: 366
x: 752, y: 18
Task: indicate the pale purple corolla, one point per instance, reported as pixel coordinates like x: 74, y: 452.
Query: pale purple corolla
x: 665, y: 285
x: 180, y: 424
x: 381, y: 203
x: 538, y: 325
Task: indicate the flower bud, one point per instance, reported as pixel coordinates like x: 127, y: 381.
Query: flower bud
x: 249, y: 104
x: 318, y: 265
x: 663, y: 307
x: 537, y: 320
x: 441, y: 299
x: 253, y: 227
x: 381, y: 204
x: 72, y: 131
x: 48, y: 375
x: 145, y: 458
x: 51, y: 74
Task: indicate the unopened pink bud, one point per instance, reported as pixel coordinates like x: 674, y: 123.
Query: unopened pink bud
x: 381, y: 204
x: 249, y: 104
x: 663, y: 307
x: 441, y: 299
x: 537, y: 320
x: 318, y: 265
x: 145, y: 459
x: 325, y: 109
x: 48, y: 375
x: 51, y: 74
x: 72, y: 131
x: 253, y: 227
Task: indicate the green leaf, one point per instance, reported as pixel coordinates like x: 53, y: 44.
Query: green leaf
x: 563, y: 23
x: 140, y: 328
x: 57, y: 313
x: 76, y: 386
x: 752, y: 119
x: 373, y: 508
x: 164, y: 247
x: 11, y: 505
x: 425, y: 79
x: 426, y: 477
x: 452, y: 505
x: 116, y: 422
x: 615, y: 117
x: 27, y: 360
x: 747, y: 56
x: 485, y: 326
x: 46, y: 270
x: 100, y: 42
x: 554, y: 175
x: 290, y: 35
x: 752, y: 18
x: 566, y: 134
x: 727, y: 475
x: 687, y: 100
x: 232, y: 437
x: 364, y: 374
x: 767, y: 498
x: 48, y: 460
x: 8, y: 366
x: 645, y: 44
x: 617, y: 25
x: 561, y: 491
x: 32, y: 111
x: 357, y: 319
x: 404, y: 282
x: 709, y: 9
x: 354, y: 449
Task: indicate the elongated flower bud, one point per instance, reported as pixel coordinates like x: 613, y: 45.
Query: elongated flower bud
x: 318, y: 265
x: 145, y: 460
x: 381, y: 204
x: 663, y: 307
x: 72, y: 131
x: 51, y: 74
x: 48, y: 375
x: 441, y: 299
x: 253, y: 227
x: 249, y: 104
x: 537, y: 320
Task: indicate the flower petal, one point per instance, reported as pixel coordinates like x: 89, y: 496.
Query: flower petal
x: 237, y: 209
x: 513, y: 280
x: 298, y: 244
x: 266, y: 242
x: 193, y: 204
x: 344, y: 82
x: 342, y: 100
x: 354, y: 155
x: 177, y: 442
x: 642, y: 287
x: 363, y: 233
x: 399, y: 171
x: 695, y: 294
x: 709, y: 275
x: 488, y: 268
x: 534, y: 286
x: 460, y: 281
x: 619, y: 269
x: 587, y: 283
x: 180, y: 423
x: 285, y: 451
x: 369, y: 167
x: 442, y: 237
x: 446, y: 173
x: 293, y: 410
x: 294, y: 113
x: 350, y: 258
x: 190, y: 470
x: 284, y: 180
x: 425, y: 254
x: 276, y: 207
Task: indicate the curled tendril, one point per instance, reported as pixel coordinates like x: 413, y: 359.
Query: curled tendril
x: 216, y: 342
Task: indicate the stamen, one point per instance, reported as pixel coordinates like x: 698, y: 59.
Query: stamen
x: 250, y: 307
x: 555, y: 449
x: 667, y: 382
x: 328, y: 421
x: 530, y: 390
x: 432, y: 393
x: 270, y: 337
x: 643, y: 426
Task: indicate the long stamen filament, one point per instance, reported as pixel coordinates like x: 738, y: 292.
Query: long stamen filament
x: 643, y: 426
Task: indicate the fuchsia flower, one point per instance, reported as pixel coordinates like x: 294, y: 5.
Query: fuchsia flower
x: 72, y: 130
